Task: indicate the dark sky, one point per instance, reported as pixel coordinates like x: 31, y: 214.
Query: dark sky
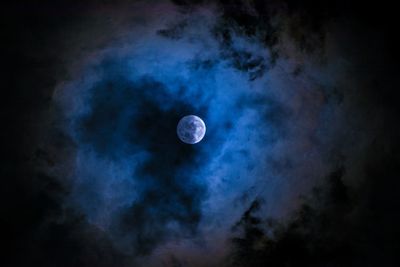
x: 299, y: 165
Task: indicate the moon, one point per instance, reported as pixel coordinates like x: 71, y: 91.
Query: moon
x: 191, y: 129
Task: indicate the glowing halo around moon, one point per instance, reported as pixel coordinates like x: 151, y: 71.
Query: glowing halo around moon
x: 191, y: 129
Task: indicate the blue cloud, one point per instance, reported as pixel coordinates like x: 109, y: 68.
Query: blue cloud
x: 134, y: 179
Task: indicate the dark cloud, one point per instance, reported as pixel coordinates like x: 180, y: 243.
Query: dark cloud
x: 335, y: 226
x: 130, y: 116
x: 174, y: 31
x: 93, y: 172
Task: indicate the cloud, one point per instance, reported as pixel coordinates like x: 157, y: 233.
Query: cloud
x: 135, y: 180
x: 276, y: 105
x: 336, y: 225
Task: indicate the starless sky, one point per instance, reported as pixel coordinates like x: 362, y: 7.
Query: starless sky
x: 299, y: 165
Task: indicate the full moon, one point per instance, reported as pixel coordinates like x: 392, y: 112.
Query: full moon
x: 191, y: 129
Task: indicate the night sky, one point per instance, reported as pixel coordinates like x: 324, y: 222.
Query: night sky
x: 299, y: 165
